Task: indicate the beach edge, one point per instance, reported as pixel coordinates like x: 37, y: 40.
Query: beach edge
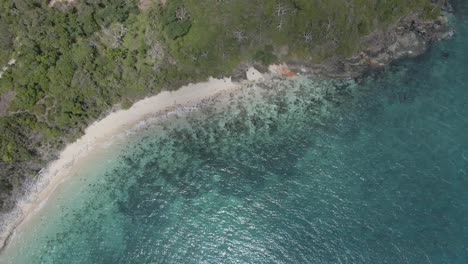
x: 104, y: 131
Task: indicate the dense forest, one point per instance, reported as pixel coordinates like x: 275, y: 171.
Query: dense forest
x: 64, y: 64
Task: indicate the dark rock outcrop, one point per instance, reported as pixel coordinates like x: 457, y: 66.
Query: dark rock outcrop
x: 410, y: 37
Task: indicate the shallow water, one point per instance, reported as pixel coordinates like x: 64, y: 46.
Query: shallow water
x: 298, y: 171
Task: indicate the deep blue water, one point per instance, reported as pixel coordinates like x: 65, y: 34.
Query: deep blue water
x: 299, y: 171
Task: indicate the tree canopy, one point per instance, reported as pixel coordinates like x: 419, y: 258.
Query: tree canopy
x: 74, y: 61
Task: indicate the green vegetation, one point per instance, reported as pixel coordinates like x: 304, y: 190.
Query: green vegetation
x: 74, y: 61
x: 175, y: 20
x: 265, y: 56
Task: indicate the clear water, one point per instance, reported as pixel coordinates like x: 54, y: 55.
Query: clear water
x: 297, y: 171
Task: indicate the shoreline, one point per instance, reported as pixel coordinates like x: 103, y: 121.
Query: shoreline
x: 103, y: 132
x: 380, y: 50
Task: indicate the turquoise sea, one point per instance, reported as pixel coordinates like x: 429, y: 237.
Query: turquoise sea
x: 373, y: 170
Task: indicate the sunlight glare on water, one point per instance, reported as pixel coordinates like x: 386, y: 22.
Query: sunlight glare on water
x: 297, y: 171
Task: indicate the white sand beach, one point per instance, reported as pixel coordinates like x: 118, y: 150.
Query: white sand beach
x: 102, y: 132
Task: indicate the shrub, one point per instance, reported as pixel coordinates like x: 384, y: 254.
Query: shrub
x: 266, y: 56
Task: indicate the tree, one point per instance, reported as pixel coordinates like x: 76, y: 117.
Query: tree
x: 6, y: 43
x: 112, y: 35
x: 175, y: 20
x: 265, y: 56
